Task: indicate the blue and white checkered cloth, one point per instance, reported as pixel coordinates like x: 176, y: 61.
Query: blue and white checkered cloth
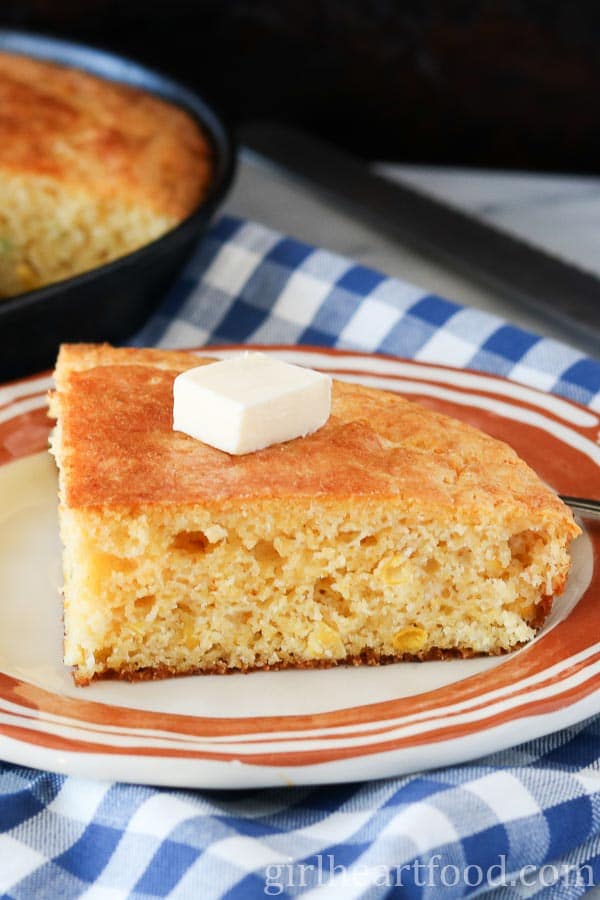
x: 521, y: 823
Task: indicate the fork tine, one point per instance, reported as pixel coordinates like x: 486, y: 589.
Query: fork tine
x: 583, y: 505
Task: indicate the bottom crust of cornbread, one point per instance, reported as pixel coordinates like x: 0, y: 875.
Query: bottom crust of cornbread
x: 366, y: 658
x: 393, y: 533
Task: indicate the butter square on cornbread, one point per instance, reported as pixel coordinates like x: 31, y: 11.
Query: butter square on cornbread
x: 393, y: 532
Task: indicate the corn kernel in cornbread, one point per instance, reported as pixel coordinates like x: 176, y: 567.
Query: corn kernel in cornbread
x: 410, y: 639
x: 393, y: 532
x: 395, y: 570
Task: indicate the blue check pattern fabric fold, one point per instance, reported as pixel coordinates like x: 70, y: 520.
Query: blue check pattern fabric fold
x: 250, y: 284
x: 521, y: 823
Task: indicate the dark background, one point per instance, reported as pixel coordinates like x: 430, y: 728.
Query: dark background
x: 496, y: 83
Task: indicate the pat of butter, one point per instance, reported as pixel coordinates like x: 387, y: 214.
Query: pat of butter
x: 249, y: 402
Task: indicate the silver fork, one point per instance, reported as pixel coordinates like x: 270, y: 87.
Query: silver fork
x: 589, y: 509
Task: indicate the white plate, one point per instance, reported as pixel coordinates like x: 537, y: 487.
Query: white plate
x: 291, y: 727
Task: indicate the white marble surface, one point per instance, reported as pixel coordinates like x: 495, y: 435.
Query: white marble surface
x: 560, y: 213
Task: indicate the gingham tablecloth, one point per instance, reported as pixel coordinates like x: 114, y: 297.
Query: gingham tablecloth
x: 521, y: 823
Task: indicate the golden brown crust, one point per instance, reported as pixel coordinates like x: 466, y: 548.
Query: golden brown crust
x: 80, y: 357
x: 118, y: 448
x: 105, y: 138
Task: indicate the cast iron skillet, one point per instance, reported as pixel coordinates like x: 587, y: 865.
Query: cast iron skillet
x: 110, y: 302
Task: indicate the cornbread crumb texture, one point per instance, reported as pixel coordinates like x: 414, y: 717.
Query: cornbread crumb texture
x: 89, y: 170
x: 392, y: 532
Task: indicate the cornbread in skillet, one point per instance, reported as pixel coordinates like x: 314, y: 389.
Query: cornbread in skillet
x: 89, y: 170
x: 391, y: 533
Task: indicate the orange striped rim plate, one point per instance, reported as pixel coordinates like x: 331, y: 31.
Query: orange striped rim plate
x: 294, y: 727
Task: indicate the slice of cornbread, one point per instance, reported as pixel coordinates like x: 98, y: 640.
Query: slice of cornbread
x: 393, y: 532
